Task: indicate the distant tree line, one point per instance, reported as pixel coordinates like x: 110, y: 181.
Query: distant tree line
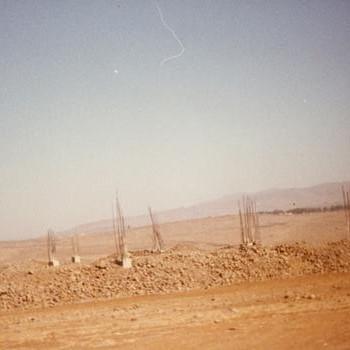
x: 304, y: 210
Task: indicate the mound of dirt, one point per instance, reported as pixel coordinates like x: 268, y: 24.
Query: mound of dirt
x: 36, y: 285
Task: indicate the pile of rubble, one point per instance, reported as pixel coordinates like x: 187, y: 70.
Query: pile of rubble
x: 178, y: 269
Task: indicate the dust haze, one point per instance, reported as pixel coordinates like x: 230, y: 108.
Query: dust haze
x: 174, y: 175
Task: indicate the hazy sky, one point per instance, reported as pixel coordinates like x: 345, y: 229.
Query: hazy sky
x: 260, y: 98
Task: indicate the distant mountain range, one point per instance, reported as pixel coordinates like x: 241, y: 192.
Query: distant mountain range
x: 323, y: 195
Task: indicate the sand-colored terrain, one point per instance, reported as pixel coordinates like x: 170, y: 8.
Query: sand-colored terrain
x: 207, y: 233
x: 203, y: 292
x: 301, y: 313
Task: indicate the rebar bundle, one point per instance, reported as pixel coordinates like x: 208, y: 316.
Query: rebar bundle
x: 158, y: 243
x: 249, y: 221
x: 75, y: 244
x: 346, y: 202
x: 119, y: 229
x: 51, y: 245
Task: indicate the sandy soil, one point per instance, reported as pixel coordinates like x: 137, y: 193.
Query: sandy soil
x: 207, y: 233
x: 299, y: 313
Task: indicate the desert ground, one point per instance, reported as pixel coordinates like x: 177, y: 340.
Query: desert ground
x: 206, y: 233
x: 203, y: 292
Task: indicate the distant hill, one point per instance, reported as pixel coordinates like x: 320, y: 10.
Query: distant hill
x: 323, y: 195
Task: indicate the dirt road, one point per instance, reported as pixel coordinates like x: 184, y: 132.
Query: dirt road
x: 309, y: 312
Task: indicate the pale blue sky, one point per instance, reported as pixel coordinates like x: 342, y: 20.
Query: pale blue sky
x: 259, y: 99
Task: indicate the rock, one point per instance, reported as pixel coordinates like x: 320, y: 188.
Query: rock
x: 101, y: 265
x: 173, y: 270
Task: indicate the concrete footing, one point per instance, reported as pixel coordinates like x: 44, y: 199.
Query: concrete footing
x: 54, y: 263
x: 126, y: 262
x: 76, y: 259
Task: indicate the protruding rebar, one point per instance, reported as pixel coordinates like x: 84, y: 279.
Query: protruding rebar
x: 249, y: 221
x: 158, y: 242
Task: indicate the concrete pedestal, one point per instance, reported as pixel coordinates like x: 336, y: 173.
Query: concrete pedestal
x: 126, y: 262
x: 76, y: 259
x: 54, y: 263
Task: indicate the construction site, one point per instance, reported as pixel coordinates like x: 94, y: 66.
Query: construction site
x: 188, y: 282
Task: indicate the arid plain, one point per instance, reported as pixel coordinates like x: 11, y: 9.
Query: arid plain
x: 203, y: 291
